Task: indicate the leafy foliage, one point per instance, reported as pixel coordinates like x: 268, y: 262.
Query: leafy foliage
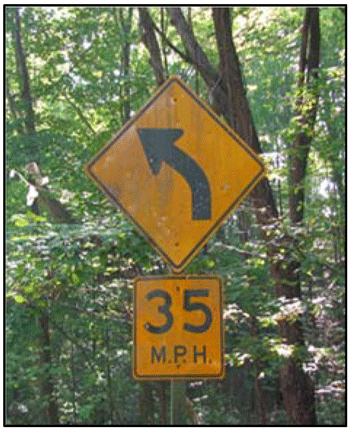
x: 81, y: 274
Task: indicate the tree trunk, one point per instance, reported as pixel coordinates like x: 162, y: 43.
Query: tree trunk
x: 306, y: 110
x: 24, y: 76
x: 198, y: 58
x: 13, y: 109
x: 151, y: 43
x: 163, y: 26
x: 125, y: 60
x: 297, y: 389
x: 50, y: 412
x: 260, y: 400
x: 231, y: 101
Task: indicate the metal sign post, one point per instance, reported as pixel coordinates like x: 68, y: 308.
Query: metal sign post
x: 177, y: 402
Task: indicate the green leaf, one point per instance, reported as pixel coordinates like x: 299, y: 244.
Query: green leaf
x: 20, y: 299
x: 19, y: 220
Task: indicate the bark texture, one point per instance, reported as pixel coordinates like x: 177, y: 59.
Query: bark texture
x: 150, y: 40
x: 29, y: 119
x: 230, y: 100
x: 297, y: 388
x: 306, y: 109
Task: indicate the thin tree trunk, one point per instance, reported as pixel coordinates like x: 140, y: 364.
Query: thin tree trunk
x: 50, y: 412
x: 306, y: 110
x: 24, y: 76
x: 13, y: 109
x: 114, y: 413
x: 260, y: 400
x: 164, y: 45
x: 79, y: 112
x: 198, y: 58
x: 126, y: 29
x: 74, y: 383
x: 110, y: 394
x: 150, y: 41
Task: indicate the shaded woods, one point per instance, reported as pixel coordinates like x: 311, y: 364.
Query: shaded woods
x: 74, y: 76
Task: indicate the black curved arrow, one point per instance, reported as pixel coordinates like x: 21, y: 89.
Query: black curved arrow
x: 158, y: 144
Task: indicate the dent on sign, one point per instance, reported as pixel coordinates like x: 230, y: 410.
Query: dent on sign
x: 177, y: 171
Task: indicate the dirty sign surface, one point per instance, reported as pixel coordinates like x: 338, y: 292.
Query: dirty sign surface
x: 176, y: 170
x: 178, y: 329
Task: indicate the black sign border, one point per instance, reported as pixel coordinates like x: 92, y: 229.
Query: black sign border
x: 181, y: 266
x: 221, y: 375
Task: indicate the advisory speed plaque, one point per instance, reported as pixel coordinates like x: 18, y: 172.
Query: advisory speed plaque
x: 178, y: 328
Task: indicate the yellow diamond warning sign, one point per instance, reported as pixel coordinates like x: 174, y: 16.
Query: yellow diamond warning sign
x: 178, y: 331
x: 177, y: 171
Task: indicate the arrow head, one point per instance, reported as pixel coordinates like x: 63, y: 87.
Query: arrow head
x: 158, y: 143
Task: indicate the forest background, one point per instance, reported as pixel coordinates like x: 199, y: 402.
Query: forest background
x: 74, y: 76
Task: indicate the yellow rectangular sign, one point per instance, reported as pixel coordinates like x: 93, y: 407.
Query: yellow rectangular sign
x: 178, y: 327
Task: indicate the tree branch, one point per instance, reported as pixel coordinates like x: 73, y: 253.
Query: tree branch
x: 200, y: 61
x: 80, y: 113
x: 173, y: 47
x: 230, y: 69
x: 150, y: 41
